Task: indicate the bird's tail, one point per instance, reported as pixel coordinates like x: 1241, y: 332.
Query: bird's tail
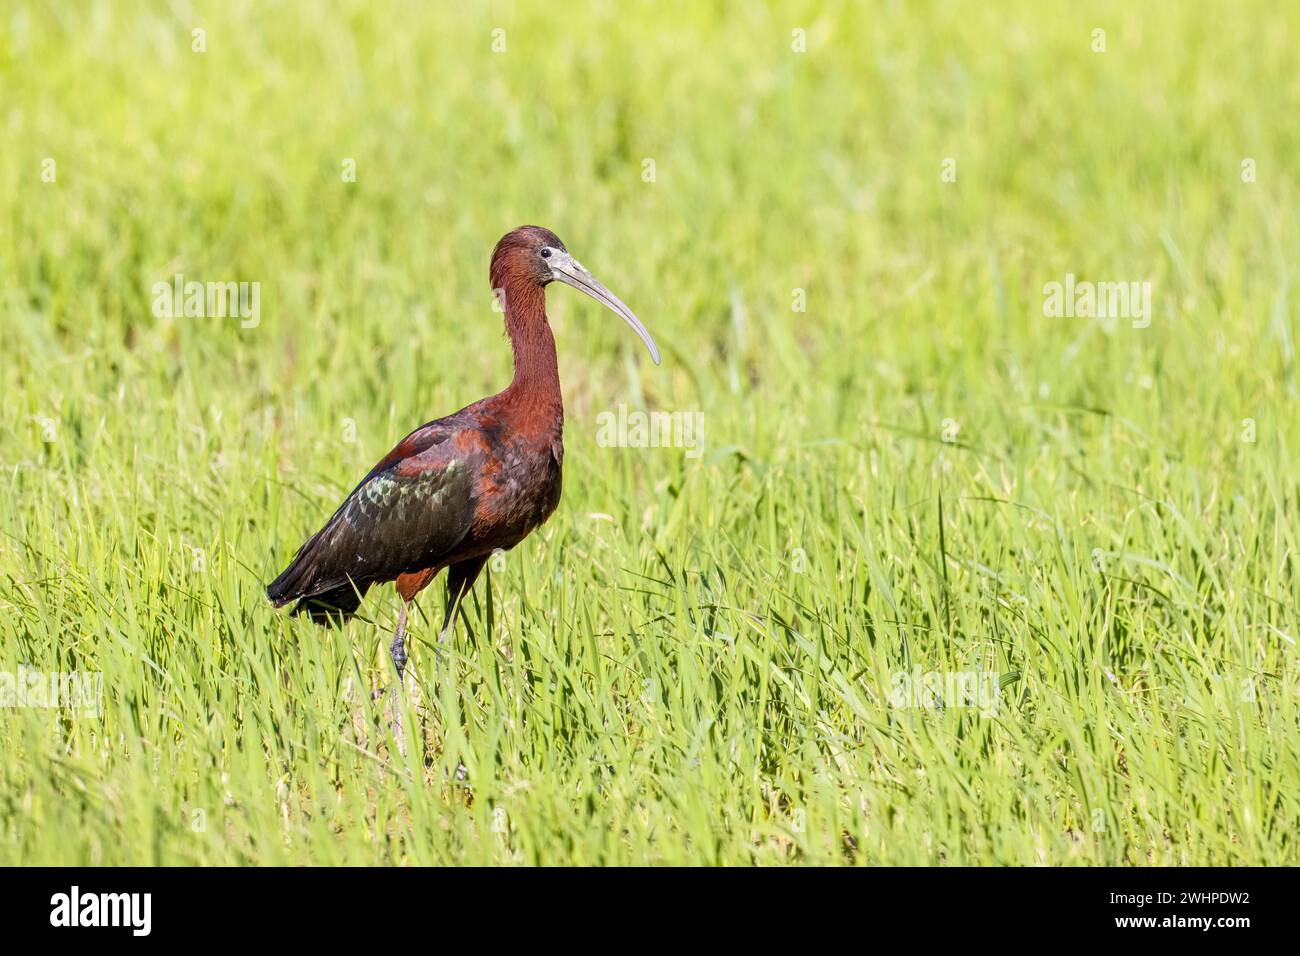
x: 332, y: 607
x: 301, y: 582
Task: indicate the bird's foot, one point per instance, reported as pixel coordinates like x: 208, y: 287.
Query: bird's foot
x: 398, y: 730
x: 415, y: 694
x: 398, y: 652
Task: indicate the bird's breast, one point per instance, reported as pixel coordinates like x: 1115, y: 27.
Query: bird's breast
x: 518, y: 489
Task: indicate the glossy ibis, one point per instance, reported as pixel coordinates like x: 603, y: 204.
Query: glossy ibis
x: 457, y: 489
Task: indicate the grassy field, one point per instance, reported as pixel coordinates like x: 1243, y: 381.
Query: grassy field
x: 841, y: 238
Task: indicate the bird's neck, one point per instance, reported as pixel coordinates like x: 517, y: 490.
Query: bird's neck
x: 536, y: 385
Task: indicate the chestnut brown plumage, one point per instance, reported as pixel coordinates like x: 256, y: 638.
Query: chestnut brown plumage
x: 457, y: 489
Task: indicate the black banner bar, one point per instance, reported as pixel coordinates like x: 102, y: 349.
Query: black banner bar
x: 335, y: 906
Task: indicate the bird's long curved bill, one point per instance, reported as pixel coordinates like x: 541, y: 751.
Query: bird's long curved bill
x: 572, y: 273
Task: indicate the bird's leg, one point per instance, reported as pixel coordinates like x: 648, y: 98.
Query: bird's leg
x: 448, y: 626
x: 460, y: 578
x: 398, y: 648
x: 398, y: 652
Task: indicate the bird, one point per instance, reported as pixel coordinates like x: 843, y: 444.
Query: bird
x: 458, y: 489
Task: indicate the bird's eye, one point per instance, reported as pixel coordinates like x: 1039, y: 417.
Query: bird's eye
x: 546, y: 253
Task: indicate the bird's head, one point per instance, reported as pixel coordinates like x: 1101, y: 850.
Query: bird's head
x: 537, y: 254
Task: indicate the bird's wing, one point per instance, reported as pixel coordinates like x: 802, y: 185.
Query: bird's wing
x: 413, y: 507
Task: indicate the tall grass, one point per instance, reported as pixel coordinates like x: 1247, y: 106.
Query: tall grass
x: 696, y: 660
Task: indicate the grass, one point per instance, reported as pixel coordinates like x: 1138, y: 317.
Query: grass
x: 692, y: 662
